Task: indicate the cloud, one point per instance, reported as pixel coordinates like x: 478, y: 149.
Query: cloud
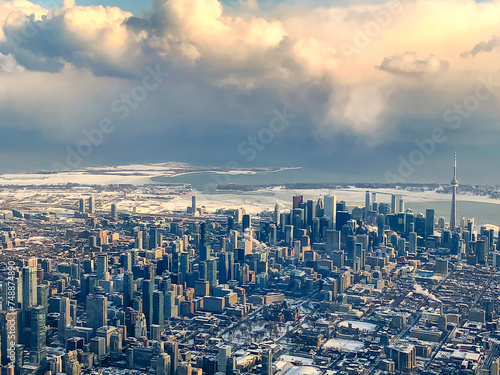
x: 86, y: 37
x: 231, y: 64
x: 408, y: 64
x: 8, y: 64
x: 17, y: 9
x: 488, y: 46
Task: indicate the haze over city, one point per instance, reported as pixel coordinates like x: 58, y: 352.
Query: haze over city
x: 363, y: 80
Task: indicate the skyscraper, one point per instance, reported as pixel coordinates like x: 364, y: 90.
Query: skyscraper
x: 163, y: 364
x: 113, y: 210
x: 147, y: 301
x: 330, y: 210
x: 223, y: 267
x: 64, y: 318
x: 277, y: 214
x: 297, y: 201
x: 429, y: 222
x: 367, y: 204
x: 153, y: 237
x: 224, y: 352
x: 102, y: 267
x: 204, y: 242
x: 158, y: 308
x: 193, y: 203
x: 91, y: 205
x: 247, y: 222
x: 172, y: 349
x: 454, y: 185
x: 267, y: 362
x: 82, y: 206
x: 97, y: 311
x: 38, y: 336
x: 29, y: 287
x: 212, y: 273
x: 128, y: 288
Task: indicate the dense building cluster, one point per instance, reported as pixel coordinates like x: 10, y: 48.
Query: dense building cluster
x: 314, y: 288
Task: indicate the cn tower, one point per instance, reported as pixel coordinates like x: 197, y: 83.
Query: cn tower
x: 454, y: 185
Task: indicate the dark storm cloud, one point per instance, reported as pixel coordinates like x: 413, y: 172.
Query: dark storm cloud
x: 228, y: 74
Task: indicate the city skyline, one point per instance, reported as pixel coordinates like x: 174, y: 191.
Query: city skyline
x: 377, y: 288
x: 361, y: 88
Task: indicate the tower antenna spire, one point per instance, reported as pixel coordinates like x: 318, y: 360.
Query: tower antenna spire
x: 455, y: 169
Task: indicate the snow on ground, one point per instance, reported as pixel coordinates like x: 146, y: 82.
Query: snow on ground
x: 356, y: 324
x: 134, y: 174
x: 344, y: 345
x: 176, y: 199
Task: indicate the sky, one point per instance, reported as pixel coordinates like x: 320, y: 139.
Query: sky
x: 364, y: 90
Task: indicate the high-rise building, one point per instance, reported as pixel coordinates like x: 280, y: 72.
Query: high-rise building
x: 223, y: 267
x: 297, y: 201
x: 204, y: 242
x: 368, y: 206
x: 147, y: 300
x: 332, y: 240
x: 412, y: 242
x: 454, y: 186
x: 404, y: 356
x: 350, y: 249
x: 171, y: 310
x: 128, y: 288
x: 102, y: 267
x: 172, y: 350
x: 224, y: 352
x: 163, y: 364
x: 380, y: 227
x: 153, y: 238
x: 97, y: 311
x: 267, y: 362
x: 38, y: 336
x: 91, y: 205
x: 64, y: 318
x: 29, y: 287
x: 193, y: 204
x: 212, y: 273
x: 277, y: 213
x: 158, y: 308
x: 82, y: 208
x: 330, y: 210
x: 231, y: 365
x: 71, y: 364
x: 395, y: 203
x: 246, y: 222
x: 140, y: 326
x: 311, y: 213
x: 419, y: 226
x: 114, y: 212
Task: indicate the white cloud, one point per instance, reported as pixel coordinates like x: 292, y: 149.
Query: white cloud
x: 293, y: 56
x: 409, y: 64
x: 8, y: 64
